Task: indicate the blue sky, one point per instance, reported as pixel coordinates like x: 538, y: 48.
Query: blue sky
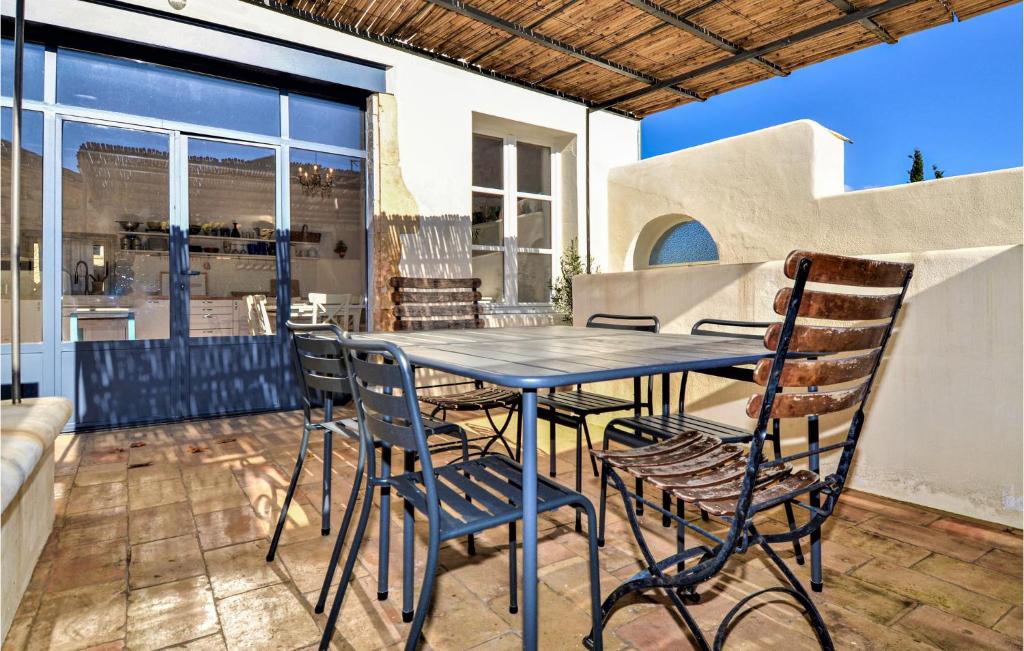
x: 954, y: 91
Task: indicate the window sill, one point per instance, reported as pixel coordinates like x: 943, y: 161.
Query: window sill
x: 529, y: 308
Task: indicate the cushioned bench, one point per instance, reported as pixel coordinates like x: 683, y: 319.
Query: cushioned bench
x: 27, y: 433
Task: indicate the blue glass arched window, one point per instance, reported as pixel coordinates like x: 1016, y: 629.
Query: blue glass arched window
x: 682, y: 243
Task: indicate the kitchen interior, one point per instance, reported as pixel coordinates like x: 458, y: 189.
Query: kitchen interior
x: 116, y: 234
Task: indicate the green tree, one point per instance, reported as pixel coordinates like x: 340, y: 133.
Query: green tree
x: 937, y: 173
x: 917, y: 167
x: 570, y: 265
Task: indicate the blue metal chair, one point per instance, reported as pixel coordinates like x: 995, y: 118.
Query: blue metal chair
x: 572, y: 408
x: 323, y: 380
x: 458, y: 499
x: 735, y: 482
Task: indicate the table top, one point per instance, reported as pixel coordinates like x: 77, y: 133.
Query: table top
x: 549, y: 356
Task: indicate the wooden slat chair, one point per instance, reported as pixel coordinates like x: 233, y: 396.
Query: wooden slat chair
x: 638, y: 431
x: 452, y: 303
x: 735, y: 482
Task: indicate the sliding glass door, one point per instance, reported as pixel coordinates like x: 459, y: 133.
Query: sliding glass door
x: 236, y: 360
x: 116, y: 308
x: 169, y: 295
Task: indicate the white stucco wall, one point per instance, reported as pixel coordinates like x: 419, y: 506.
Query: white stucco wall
x: 765, y: 193
x: 944, y: 425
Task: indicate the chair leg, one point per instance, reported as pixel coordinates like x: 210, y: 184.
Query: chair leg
x: 291, y: 491
x: 408, y: 547
x: 426, y: 591
x: 384, y: 547
x: 513, y: 575
x: 325, y: 507
x: 790, y: 517
x: 602, y: 501
x: 596, y: 640
x: 579, y: 468
x: 346, y: 521
x: 551, y: 429
x: 590, y: 446
x: 519, y: 437
x: 346, y: 574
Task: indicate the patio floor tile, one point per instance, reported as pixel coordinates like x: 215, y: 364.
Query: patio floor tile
x: 100, y: 496
x: 240, y: 568
x: 947, y: 631
x: 80, y: 618
x: 166, y: 560
x: 229, y: 526
x: 171, y: 613
x: 104, y: 562
x: 158, y: 522
x: 268, y: 618
x: 155, y: 493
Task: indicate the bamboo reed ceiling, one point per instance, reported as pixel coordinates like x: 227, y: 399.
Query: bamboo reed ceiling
x: 636, y: 57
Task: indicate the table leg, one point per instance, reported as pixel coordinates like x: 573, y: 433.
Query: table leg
x: 529, y: 415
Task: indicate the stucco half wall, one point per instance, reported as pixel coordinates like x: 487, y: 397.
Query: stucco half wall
x: 765, y: 193
x: 944, y: 425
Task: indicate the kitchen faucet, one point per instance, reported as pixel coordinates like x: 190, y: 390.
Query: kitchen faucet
x: 76, y: 278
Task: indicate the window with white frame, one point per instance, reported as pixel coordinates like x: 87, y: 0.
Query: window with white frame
x: 513, y: 256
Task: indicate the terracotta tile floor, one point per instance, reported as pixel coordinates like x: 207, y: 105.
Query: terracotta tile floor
x: 161, y: 534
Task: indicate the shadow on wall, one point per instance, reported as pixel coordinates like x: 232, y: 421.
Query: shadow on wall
x: 426, y: 246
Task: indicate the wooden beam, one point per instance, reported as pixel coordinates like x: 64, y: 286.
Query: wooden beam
x: 866, y: 23
x: 690, y: 27
x: 811, y: 32
x: 464, y: 9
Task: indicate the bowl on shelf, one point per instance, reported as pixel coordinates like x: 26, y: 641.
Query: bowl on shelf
x: 128, y: 225
x: 210, y: 249
x: 154, y: 227
x: 194, y: 229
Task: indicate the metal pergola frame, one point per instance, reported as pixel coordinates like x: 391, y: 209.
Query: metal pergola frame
x: 15, y: 260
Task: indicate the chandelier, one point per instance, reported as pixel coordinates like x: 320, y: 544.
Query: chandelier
x: 315, y: 181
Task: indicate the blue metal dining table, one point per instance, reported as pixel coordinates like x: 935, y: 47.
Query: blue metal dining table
x: 532, y: 358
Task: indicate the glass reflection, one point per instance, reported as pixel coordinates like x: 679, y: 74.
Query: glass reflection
x: 140, y: 88
x: 232, y: 247
x: 115, y: 207
x: 327, y: 238
x: 31, y: 280
x: 32, y: 81
x: 487, y: 221
x: 534, y: 277
x: 489, y: 267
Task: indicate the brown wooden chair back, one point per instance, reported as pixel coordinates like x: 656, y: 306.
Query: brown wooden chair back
x: 435, y: 303
x: 846, y: 351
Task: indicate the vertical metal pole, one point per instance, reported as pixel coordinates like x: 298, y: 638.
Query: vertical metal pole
x: 586, y: 137
x: 529, y: 413
x: 19, y: 53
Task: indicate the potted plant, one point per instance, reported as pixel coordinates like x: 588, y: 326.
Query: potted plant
x: 341, y: 248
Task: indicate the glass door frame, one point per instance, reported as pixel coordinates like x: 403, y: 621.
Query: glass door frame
x: 281, y: 243
x: 68, y: 351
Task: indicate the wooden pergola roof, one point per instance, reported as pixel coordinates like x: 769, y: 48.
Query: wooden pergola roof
x: 635, y: 57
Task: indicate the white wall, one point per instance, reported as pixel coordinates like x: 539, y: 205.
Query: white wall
x: 765, y: 193
x: 944, y: 426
